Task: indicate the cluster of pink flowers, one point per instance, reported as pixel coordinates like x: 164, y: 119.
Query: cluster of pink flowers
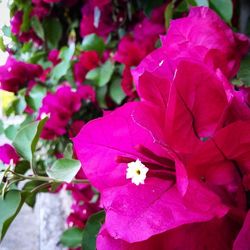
x: 15, y: 75
x: 60, y: 107
x: 139, y: 42
x: 23, y: 36
x: 173, y: 168
x: 101, y: 26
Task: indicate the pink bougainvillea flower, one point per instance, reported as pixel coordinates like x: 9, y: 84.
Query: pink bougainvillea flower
x: 87, y: 93
x: 158, y: 198
x: 8, y: 154
x: 75, y: 128
x: 165, y: 165
x: 101, y: 26
x: 139, y: 43
x: 127, y: 83
x: 16, y: 22
x: 136, y: 51
x: 54, y: 56
x: 16, y: 74
x: 193, y: 103
x: 201, y: 185
x: 147, y: 33
x: 204, y: 36
x: 40, y: 10
x: 60, y: 107
x: 87, y: 60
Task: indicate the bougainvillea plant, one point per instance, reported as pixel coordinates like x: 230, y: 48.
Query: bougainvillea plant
x: 140, y: 109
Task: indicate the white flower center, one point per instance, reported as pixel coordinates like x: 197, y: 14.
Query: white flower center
x: 137, y: 172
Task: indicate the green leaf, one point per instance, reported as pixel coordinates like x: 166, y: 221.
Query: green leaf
x: 61, y: 69
x: 244, y: 72
x: 30, y: 198
x: 6, y: 30
x: 11, y: 131
x: 9, y: 208
x: 202, y: 3
x: 52, y: 31
x: 224, y: 8
x: 71, y: 237
x: 93, y: 75
x: 37, y: 26
x: 36, y: 96
x: 107, y: 70
x: 168, y: 14
x: 93, y: 42
x: 64, y: 169
x: 27, y: 47
x: 68, y: 151
x: 37, y: 56
x: 198, y: 2
x: 66, y: 53
x: 101, y: 96
x: 27, y: 138
x: 22, y: 167
x: 116, y: 91
x: 91, y: 230
x: 19, y: 105
x: 102, y: 75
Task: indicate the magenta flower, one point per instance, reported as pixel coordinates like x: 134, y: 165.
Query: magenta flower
x: 88, y: 24
x: 147, y: 32
x: 40, y: 9
x: 127, y: 83
x: 87, y: 93
x: 60, y: 107
x: 136, y: 51
x: 203, y: 36
x: 158, y: 198
x: 53, y: 56
x: 16, y: 22
x: 8, y: 154
x: 197, y: 190
x: 87, y: 60
x: 15, y: 75
x: 176, y: 161
x: 23, y: 37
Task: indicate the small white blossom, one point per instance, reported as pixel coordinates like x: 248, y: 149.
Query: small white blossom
x: 137, y: 172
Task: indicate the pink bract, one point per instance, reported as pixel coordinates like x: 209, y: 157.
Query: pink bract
x: 205, y: 37
x: 8, y: 153
x: 187, y: 131
x: 16, y: 74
